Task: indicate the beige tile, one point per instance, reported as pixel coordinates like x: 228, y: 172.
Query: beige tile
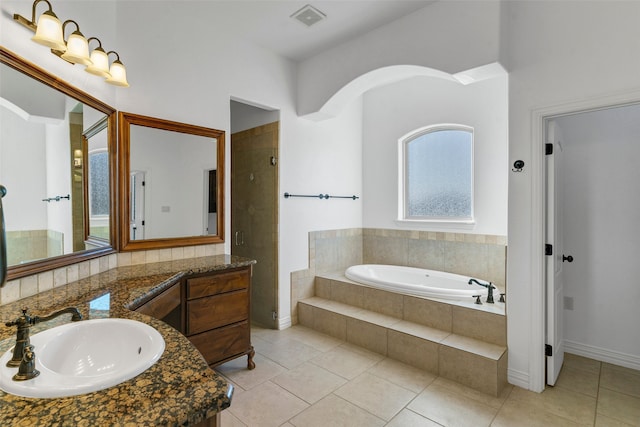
x: 478, y: 396
x: 413, y: 351
x: 407, y: 418
x: 367, y: 335
x: 559, y: 401
x: 620, y: 379
x: 305, y: 314
x: 266, y: 405
x: 490, y: 351
x: 376, y: 395
x: 583, y: 363
x: 620, y: 407
x: 322, y: 287
x: 309, y: 382
x: 450, y: 409
x: 236, y: 370
x: 472, y: 370
x: 383, y: 302
x: 317, y: 340
x: 289, y: 353
x: 480, y: 325
x: 575, y: 379
x: 401, y: 374
x: 429, y: 313
x: 420, y: 331
x: 345, y: 362
x: 227, y: 419
x: 603, y: 421
x: 330, y: 323
x: 347, y: 293
x: 521, y: 414
x: 335, y: 412
x: 375, y: 318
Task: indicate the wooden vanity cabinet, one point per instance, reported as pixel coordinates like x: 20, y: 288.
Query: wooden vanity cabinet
x: 166, y: 306
x: 217, y: 315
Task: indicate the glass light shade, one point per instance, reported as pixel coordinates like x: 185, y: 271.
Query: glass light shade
x: 77, y: 49
x: 49, y: 32
x: 118, y: 74
x: 100, y: 63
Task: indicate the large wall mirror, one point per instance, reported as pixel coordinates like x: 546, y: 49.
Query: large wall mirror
x: 47, y: 131
x: 171, y: 183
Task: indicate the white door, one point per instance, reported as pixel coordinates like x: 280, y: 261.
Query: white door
x: 554, y: 289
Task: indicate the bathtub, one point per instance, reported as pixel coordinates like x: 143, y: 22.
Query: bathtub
x: 417, y: 281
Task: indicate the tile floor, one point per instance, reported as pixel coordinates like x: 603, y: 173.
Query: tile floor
x: 305, y: 379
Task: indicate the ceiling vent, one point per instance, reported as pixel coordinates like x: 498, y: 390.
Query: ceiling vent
x: 309, y: 15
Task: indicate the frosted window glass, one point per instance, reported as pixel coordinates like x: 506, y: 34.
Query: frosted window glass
x: 439, y: 175
x: 99, y: 183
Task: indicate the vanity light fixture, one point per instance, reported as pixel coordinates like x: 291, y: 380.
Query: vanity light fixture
x: 77, y: 46
x: 48, y: 29
x: 118, y: 74
x: 99, y: 60
x: 50, y: 32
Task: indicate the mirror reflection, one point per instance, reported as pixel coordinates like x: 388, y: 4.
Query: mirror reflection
x: 45, y: 135
x: 173, y: 191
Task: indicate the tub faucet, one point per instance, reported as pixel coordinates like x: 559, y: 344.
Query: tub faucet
x: 25, y: 322
x: 489, y: 287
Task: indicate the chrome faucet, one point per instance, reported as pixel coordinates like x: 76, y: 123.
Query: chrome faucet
x: 25, y: 322
x: 489, y: 287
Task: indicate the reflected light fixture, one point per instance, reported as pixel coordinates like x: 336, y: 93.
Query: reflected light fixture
x: 75, y: 50
x: 118, y: 72
x: 48, y: 29
x: 99, y: 60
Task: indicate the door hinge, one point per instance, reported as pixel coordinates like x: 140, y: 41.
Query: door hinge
x: 274, y: 315
x: 548, y: 148
x: 548, y: 350
x: 142, y: 223
x: 273, y: 160
x: 548, y: 249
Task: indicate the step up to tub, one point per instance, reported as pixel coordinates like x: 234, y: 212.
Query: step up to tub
x: 437, y: 347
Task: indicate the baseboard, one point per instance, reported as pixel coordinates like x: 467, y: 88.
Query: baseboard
x: 518, y: 378
x: 603, y: 355
x: 284, y: 322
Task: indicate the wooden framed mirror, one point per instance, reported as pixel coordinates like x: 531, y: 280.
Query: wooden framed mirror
x: 42, y: 122
x: 171, y: 183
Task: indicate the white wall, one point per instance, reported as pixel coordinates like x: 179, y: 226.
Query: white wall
x: 58, y: 179
x: 392, y: 111
x: 558, y: 53
x: 23, y: 143
x: 600, y: 231
x: 244, y: 116
x: 450, y: 36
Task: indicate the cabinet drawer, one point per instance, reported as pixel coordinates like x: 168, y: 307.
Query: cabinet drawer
x: 163, y: 304
x: 220, y: 310
x: 216, y: 284
x: 223, y: 343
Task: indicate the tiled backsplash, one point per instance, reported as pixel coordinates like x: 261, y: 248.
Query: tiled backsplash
x: 474, y: 255
x: 31, y: 285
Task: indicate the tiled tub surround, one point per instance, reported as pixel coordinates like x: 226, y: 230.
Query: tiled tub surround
x: 455, y: 342
x: 474, y: 255
x: 180, y: 389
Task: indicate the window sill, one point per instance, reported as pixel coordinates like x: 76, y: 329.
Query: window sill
x: 437, y: 223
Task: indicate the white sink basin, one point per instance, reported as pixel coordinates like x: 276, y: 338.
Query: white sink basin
x: 85, y: 356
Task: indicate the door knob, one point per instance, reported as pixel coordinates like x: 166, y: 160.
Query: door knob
x: 567, y: 258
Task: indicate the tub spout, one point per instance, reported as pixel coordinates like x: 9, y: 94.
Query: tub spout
x: 489, y: 287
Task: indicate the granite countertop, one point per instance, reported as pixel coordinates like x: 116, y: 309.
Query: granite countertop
x: 180, y: 389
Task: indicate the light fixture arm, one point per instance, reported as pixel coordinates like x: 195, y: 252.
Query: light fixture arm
x: 32, y: 23
x: 96, y: 39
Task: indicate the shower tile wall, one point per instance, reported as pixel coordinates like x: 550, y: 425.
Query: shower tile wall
x: 474, y: 255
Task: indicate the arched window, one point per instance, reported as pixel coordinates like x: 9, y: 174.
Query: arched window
x: 436, y: 174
